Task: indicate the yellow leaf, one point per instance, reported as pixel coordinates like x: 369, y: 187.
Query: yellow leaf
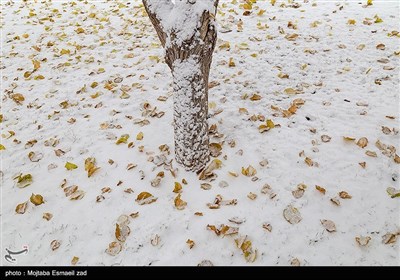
x: 24, y: 180
x: 378, y: 19
x: 369, y: 2
x: 2, y: 147
x: 225, y: 45
x: 36, y: 199
x: 308, y: 161
x: 231, y: 62
x: 70, y: 166
x: 65, y: 51
x: 320, y: 189
x: 270, y: 124
x: 344, y: 195
x: 273, y: 2
x: 74, y: 260
x: 18, y: 98
x: 249, y: 171
x: 80, y: 30
x: 255, y: 97
x: 177, y: 188
x: 90, y: 166
x: 179, y: 203
x: 145, y: 198
x: 94, y: 84
x: 36, y: 64
x: 123, y: 139
x: 347, y: 138
x: 139, y: 136
x: 261, y: 12
x: 351, y: 21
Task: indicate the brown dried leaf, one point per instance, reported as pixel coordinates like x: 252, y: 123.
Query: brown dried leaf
x: 328, y: 225
x: 74, y: 260
x: 362, y: 142
x: 249, y: 171
x: 371, y: 153
x: 122, y: 232
x: 325, y: 138
x: 177, y: 188
x: 389, y: 238
x: 145, y: 198
x: 21, y: 208
x: 114, y: 248
x: 363, y: 240
x: 344, y: 195
x: 190, y: 243
x: 55, y: 244
x: 292, y: 214
x: 179, y: 203
x: 320, y: 189
x: 47, y: 216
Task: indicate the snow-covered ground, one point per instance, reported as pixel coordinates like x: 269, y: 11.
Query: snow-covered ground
x: 345, y: 72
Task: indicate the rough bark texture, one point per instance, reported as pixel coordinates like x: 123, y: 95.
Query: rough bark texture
x: 190, y: 63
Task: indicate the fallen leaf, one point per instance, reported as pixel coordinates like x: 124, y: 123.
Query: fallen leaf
x: 325, y: 138
x: 328, y: 225
x: 208, y: 171
x: 362, y: 142
x: 371, y: 154
x: 267, y: 226
x: 36, y: 199
x: 245, y: 245
x: 249, y: 171
x: 309, y: 161
x: 335, y: 201
x: 74, y: 260
x: 21, y: 208
x: 123, y: 139
x: 389, y: 238
x: 190, y: 243
x: 77, y: 195
x: 114, y: 248
x: 215, y: 149
x: 177, y: 188
x: 55, y: 244
x: 47, y: 216
x: 393, y: 192
x: 363, y: 240
x: 292, y: 214
x: 320, y: 189
x: 24, y: 180
x: 179, y: 203
x: 139, y: 136
x: 70, y: 166
x: 344, y: 195
x: 90, y: 166
x: 145, y: 198
x: 122, y: 232
x: 155, y: 240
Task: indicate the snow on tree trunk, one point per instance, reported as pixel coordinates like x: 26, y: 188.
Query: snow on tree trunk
x: 187, y: 31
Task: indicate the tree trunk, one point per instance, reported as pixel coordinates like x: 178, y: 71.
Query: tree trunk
x: 190, y: 61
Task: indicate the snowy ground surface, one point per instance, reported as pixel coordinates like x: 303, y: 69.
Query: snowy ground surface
x: 97, y: 63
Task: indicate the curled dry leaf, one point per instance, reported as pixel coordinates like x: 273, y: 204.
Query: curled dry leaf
x: 292, y: 214
x: 90, y: 166
x: 320, y: 189
x: 70, y: 190
x: 249, y: 171
x: 190, y: 243
x: 328, y: 225
x: 267, y: 226
x: 363, y: 164
x: 396, y: 158
x: 77, y: 195
x: 389, y: 238
x: 55, y: 244
x: 123, y: 220
x: 36, y: 199
x: 114, y: 248
x: 386, y: 130
x: 206, y: 186
x: 23, y: 180
x: 393, y: 192
x: 295, y: 262
x: 47, y: 216
x: 35, y: 157
x: 155, y: 240
x: 371, y: 153
x: 335, y: 201
x: 252, y: 196
x: 21, y: 208
x: 362, y: 142
x: 237, y: 220
x: 122, y: 232
x: 363, y: 240
x: 145, y: 198
x: 245, y: 245
x: 179, y: 203
x: 215, y: 149
x: 208, y: 171
x: 325, y: 138
x: 134, y: 215
x: 156, y: 181
x: 344, y: 195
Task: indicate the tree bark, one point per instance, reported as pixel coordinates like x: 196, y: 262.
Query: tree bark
x: 190, y: 61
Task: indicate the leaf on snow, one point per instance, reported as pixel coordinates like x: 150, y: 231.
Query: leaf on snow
x: 292, y: 214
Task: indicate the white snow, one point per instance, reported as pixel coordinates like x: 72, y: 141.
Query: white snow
x: 121, y: 40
